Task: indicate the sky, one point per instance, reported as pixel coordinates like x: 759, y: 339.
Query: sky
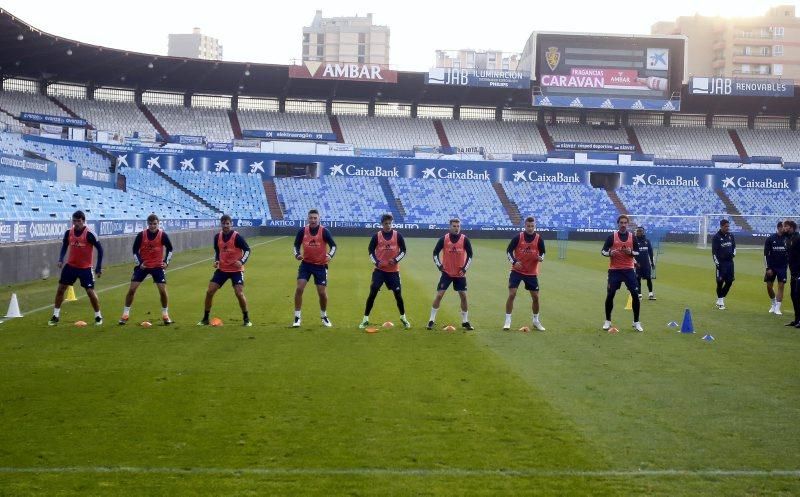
x: 261, y: 32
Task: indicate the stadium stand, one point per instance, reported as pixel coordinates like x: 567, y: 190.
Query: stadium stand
x: 425, y: 201
x: 13, y: 144
x: 80, y: 156
x: 150, y: 182
x: 767, y: 206
x: 783, y: 143
x: 563, y: 206
x: 7, y: 120
x: 337, y: 198
x: 685, y: 142
x: 495, y: 136
x: 179, y: 120
x: 239, y: 195
x: 284, y: 121
x: 15, y: 102
x: 28, y: 199
x: 121, y: 117
x: 388, y: 132
x: 564, y: 132
x: 656, y: 200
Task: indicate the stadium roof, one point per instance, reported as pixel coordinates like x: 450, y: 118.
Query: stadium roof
x: 28, y: 52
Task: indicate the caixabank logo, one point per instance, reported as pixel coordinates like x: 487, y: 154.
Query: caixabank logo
x: 445, y: 173
x: 645, y: 179
x: 353, y: 170
x: 537, y: 177
x: 759, y: 183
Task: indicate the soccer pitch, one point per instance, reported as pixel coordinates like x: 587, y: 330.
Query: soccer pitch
x: 271, y: 410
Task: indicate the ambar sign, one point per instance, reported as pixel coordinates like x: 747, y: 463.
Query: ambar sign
x: 341, y: 71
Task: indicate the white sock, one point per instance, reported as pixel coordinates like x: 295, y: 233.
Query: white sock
x: 297, y: 314
x: 165, y: 310
x: 323, y: 314
x: 777, y: 304
x: 508, y: 318
x: 403, y: 316
x: 56, y: 311
x: 366, y: 318
x: 464, y: 317
x: 535, y: 318
x: 433, y: 314
x: 98, y: 315
x: 126, y: 311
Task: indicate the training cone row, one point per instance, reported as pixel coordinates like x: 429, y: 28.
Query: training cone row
x: 13, y: 307
x: 687, y: 326
x: 69, y: 295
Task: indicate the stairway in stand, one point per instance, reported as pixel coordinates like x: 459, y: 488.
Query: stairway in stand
x: 617, y: 201
x: 275, y: 209
x: 730, y: 207
x: 395, y: 205
x: 511, y: 207
x: 185, y: 190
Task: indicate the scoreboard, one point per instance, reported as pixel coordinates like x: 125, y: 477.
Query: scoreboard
x: 606, y: 71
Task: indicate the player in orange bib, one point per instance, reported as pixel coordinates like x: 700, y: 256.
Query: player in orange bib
x: 456, y: 257
x: 230, y: 255
x: 81, y: 244
x: 386, y: 249
x: 525, y: 252
x: 152, y: 251
x: 621, y: 247
x: 309, y: 248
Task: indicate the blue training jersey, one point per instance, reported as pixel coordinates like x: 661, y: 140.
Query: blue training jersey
x: 645, y: 256
x: 723, y: 247
x: 775, y: 256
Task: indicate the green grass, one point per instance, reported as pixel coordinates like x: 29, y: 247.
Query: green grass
x: 272, y: 410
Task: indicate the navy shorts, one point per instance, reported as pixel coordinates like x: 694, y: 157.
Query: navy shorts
x: 71, y: 274
x: 628, y: 276
x: 777, y: 273
x: 459, y: 284
x: 531, y: 282
x: 644, y: 271
x: 158, y: 274
x: 380, y: 278
x: 725, y: 271
x: 220, y: 277
x: 319, y: 272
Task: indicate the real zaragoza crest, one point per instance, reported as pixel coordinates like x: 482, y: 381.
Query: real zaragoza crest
x: 553, y: 57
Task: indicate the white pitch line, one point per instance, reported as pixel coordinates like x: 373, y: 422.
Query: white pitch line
x: 411, y: 472
x: 114, y: 287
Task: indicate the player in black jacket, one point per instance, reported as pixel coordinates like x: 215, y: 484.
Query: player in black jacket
x: 723, y: 250
x: 793, y: 256
x: 775, y: 267
x: 645, y: 263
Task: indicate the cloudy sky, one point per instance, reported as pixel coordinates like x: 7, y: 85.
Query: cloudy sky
x: 261, y: 32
